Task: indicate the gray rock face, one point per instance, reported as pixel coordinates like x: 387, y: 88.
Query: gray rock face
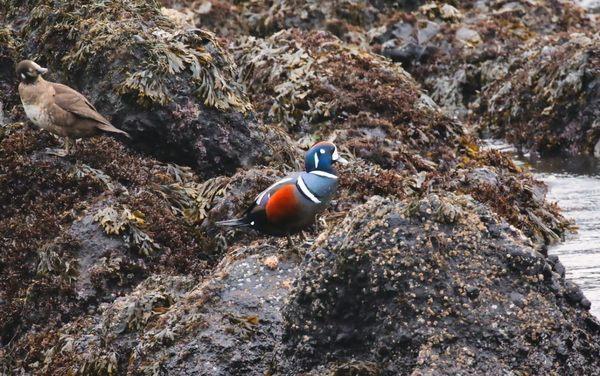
x: 425, y: 287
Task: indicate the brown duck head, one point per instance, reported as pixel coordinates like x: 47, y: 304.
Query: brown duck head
x: 29, y: 71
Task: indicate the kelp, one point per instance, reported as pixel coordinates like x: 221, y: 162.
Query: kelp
x: 129, y: 224
x: 316, y: 84
x: 173, y: 89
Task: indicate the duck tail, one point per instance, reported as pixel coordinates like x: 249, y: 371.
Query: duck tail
x: 237, y: 222
x: 112, y: 129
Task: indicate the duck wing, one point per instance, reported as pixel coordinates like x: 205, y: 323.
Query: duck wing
x: 75, y: 103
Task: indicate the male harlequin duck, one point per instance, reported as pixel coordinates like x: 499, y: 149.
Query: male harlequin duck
x: 291, y: 204
x: 58, y: 108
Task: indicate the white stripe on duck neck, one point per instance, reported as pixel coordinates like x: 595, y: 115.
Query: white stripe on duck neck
x: 305, y: 191
x: 323, y: 174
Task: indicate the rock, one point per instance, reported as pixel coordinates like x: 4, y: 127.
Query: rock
x: 227, y: 324
x: 172, y: 89
x: 341, y: 293
x: 573, y: 293
x: 557, y: 265
x: 271, y: 262
x: 430, y: 260
x: 468, y: 36
x: 560, y: 82
x: 100, y: 223
x: 585, y: 303
x: 517, y: 299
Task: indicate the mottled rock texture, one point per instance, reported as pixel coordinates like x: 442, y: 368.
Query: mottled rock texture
x: 433, y: 286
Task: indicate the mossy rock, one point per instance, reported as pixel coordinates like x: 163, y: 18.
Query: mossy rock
x: 174, y: 90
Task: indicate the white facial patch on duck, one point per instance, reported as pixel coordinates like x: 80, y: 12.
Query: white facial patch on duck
x: 306, y: 192
x: 316, y: 161
x: 335, y: 156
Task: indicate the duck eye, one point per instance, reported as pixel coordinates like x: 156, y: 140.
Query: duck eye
x: 322, y: 151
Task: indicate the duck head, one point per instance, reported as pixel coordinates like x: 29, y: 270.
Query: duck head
x: 322, y: 157
x: 29, y: 71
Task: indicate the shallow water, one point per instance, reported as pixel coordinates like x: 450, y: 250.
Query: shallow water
x: 573, y: 182
x: 589, y: 4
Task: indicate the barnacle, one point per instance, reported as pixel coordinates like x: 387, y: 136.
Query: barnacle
x: 51, y: 261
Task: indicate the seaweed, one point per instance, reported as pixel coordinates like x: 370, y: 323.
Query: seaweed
x: 547, y: 102
x: 158, y: 54
x: 129, y: 224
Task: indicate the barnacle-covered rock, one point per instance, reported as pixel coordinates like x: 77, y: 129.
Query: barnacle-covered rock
x: 550, y: 100
x: 230, y: 323
x: 112, y: 262
x: 172, y: 89
x: 433, y: 286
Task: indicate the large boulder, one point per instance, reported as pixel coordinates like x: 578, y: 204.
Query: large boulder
x: 433, y: 286
x: 228, y: 324
x: 172, y: 89
x: 77, y: 232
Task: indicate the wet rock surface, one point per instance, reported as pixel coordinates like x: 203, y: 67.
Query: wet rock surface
x: 430, y: 260
x: 397, y: 285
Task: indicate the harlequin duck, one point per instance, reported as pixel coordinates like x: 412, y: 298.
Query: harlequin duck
x: 58, y: 108
x: 291, y: 204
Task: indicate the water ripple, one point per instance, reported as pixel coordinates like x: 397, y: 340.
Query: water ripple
x: 574, y: 183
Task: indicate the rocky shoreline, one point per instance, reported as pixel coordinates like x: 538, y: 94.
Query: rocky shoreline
x: 432, y: 258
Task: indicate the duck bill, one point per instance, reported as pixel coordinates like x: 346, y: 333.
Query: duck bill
x: 342, y: 160
x: 40, y: 69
